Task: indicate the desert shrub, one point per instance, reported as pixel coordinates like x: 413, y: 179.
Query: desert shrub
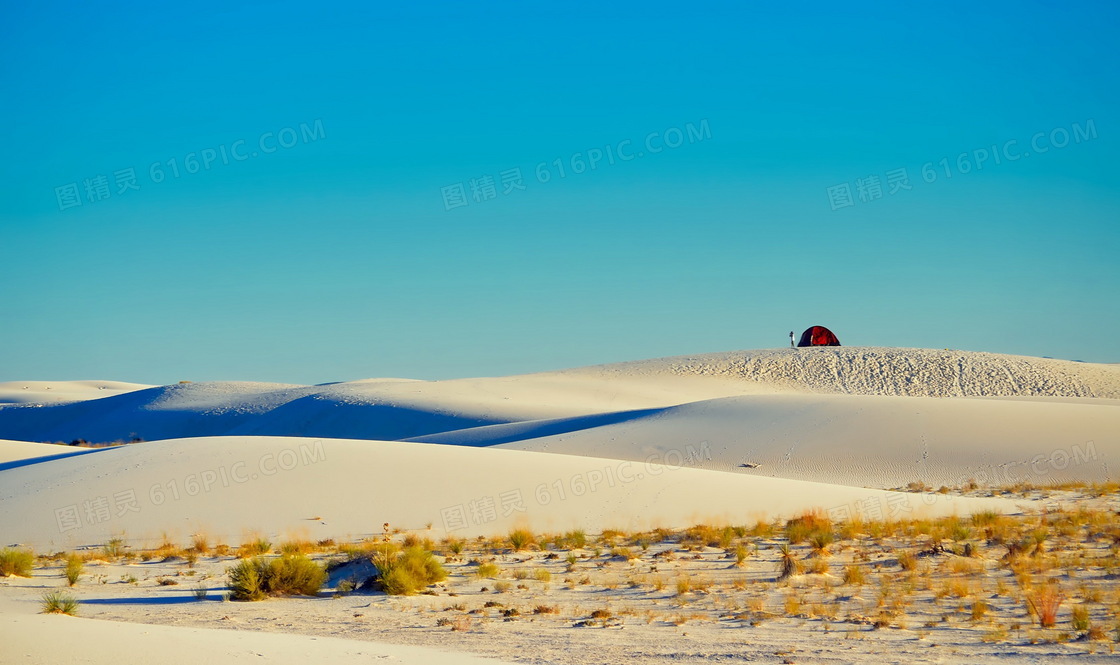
x: 16, y: 562
x: 807, y: 525
x: 254, y: 547
x: 575, y: 539
x: 1080, y: 618
x: 818, y: 566
x: 247, y: 580
x: 1043, y: 603
x: 297, y: 547
x: 854, y: 575
x: 73, y: 570
x: 787, y: 565
x: 295, y: 576
x: 257, y: 578
x: 520, y: 539
x: 488, y: 570
x: 409, y: 571
x: 57, y: 602
x: 114, y: 549
x: 542, y: 575
x: 455, y: 545
x: 907, y: 561
x: 200, y: 543
x: 820, y: 540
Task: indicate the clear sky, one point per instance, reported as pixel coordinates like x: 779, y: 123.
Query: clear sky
x: 310, y: 192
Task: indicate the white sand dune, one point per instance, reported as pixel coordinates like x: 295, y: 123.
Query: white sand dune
x: 41, y: 639
x: 856, y: 370
x: 19, y: 451
x: 231, y: 486
x: 719, y: 438
x: 877, y: 441
x: 47, y: 392
x: 402, y: 409
x: 761, y: 434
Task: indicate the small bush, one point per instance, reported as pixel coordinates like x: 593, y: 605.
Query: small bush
x: 247, y: 580
x: 57, y: 602
x: 1080, y: 618
x: 979, y: 610
x: 806, y: 525
x: 1043, y: 603
x: 854, y: 575
x: 818, y: 566
x: 788, y: 565
x: 16, y: 562
x: 407, y: 572
x: 200, y: 543
x: 907, y: 561
x: 254, y: 548
x: 575, y: 539
x: 487, y: 571
x: 297, y: 547
x: 257, y: 578
x: 455, y: 545
x: 114, y: 549
x: 520, y: 539
x: 542, y: 575
x: 73, y: 570
x: 295, y: 576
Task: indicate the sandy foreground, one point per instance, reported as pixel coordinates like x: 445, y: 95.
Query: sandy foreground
x: 742, y: 440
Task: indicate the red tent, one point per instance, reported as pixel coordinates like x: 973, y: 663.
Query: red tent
x: 818, y: 336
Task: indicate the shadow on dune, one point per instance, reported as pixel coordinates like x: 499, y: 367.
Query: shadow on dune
x: 157, y: 600
x: 314, y: 415
x: 47, y: 458
x: 492, y: 435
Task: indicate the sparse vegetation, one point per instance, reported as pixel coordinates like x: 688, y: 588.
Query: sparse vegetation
x: 520, y: 539
x: 59, y: 602
x: 1043, y: 603
x: 16, y: 562
x: 258, y: 578
x: 408, y: 571
x: 254, y: 547
x: 73, y: 570
x: 487, y: 570
x: 970, y: 574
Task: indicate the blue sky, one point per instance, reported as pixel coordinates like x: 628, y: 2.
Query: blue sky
x: 338, y: 246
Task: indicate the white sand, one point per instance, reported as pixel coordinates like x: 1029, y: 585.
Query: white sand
x: 34, y: 638
x: 718, y: 438
x: 400, y: 409
x: 46, y: 392
x: 228, y: 487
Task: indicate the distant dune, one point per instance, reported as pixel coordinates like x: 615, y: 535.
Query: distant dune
x: 717, y: 437
x: 402, y: 409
